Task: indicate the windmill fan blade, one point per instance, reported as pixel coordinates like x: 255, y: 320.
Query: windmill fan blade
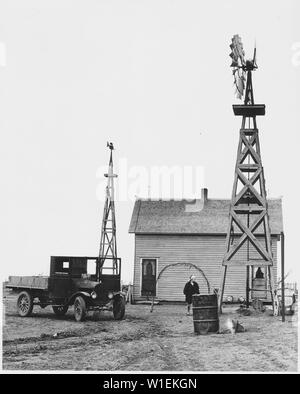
x: 239, y: 82
x: 234, y: 63
x: 239, y: 65
x: 237, y: 51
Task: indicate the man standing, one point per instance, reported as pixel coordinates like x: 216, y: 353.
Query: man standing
x: 190, y: 288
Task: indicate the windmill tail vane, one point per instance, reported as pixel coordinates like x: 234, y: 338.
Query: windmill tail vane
x: 254, y: 56
x: 110, y: 145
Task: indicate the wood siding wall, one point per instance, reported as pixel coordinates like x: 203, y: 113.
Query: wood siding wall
x: 204, y: 251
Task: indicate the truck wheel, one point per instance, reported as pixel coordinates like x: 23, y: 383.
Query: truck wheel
x: 119, y: 308
x: 25, y: 304
x: 60, y: 310
x: 79, y: 308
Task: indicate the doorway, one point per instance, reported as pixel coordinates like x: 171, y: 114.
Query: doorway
x: 148, y: 286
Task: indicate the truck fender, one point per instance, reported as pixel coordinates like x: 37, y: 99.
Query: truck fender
x: 83, y: 294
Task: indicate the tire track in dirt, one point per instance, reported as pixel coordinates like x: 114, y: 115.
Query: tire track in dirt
x: 13, y: 349
x: 155, y: 348
x: 29, y: 354
x: 51, y: 343
x: 87, y: 329
x: 141, y: 357
x: 169, y: 357
x: 48, y: 337
x: 266, y: 356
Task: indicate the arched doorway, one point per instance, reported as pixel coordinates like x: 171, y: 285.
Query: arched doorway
x: 148, y: 285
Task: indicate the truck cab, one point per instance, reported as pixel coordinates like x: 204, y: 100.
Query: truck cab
x: 85, y: 282
x: 69, y: 275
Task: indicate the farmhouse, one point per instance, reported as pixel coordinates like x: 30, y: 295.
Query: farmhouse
x: 193, y: 232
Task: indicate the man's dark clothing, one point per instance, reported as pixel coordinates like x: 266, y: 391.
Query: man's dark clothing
x: 190, y: 289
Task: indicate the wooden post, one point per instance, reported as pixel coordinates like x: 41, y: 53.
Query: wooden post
x: 282, y: 278
x: 247, y: 286
x: 271, y: 286
x: 221, y: 294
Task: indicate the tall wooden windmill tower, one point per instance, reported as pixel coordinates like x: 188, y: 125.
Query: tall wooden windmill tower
x: 108, y: 243
x: 248, y: 241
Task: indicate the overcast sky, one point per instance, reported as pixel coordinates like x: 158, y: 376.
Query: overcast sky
x: 154, y: 78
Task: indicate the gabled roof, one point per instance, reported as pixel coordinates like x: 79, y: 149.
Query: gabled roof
x: 209, y: 216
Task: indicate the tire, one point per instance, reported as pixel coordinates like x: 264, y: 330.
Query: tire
x: 79, y: 308
x: 119, y: 308
x: 25, y: 304
x: 60, y: 310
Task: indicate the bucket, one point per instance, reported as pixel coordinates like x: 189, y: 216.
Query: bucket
x: 205, y: 313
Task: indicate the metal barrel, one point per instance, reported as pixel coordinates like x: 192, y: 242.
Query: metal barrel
x: 205, y: 313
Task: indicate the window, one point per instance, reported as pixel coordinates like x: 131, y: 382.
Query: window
x: 91, y: 267
x: 62, y: 267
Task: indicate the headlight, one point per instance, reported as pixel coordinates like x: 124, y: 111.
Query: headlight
x: 110, y: 295
x: 93, y: 295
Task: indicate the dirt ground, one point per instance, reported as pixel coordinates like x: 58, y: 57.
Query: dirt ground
x: 159, y: 341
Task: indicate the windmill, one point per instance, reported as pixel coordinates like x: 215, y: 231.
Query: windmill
x: 108, y: 244
x: 248, y: 240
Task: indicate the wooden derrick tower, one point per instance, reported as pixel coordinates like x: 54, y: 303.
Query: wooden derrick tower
x: 108, y: 244
x: 248, y: 240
